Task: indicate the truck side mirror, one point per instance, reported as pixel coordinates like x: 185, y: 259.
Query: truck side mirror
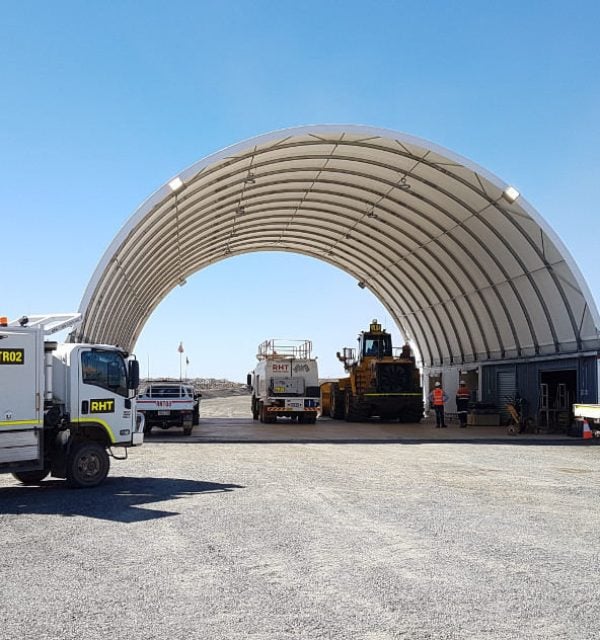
x: 134, y: 374
x: 249, y: 379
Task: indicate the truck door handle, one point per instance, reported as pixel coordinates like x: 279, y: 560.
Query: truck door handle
x: 85, y: 406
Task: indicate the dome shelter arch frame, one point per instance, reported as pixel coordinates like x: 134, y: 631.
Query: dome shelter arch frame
x: 467, y: 272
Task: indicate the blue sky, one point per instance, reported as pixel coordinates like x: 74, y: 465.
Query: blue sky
x: 103, y: 102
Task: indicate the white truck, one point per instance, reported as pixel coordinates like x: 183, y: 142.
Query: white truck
x: 64, y: 407
x: 169, y: 404
x: 285, y: 382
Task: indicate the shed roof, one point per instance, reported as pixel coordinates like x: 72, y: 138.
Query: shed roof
x: 468, y: 272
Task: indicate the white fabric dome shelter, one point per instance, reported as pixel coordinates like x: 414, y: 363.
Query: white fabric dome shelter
x: 468, y: 270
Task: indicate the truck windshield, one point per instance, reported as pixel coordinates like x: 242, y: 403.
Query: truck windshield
x: 105, y: 369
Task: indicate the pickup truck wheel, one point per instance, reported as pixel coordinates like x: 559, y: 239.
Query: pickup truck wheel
x: 87, y: 465
x: 187, y: 428
x: 31, y: 477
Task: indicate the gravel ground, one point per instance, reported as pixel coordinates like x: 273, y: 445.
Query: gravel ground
x: 382, y: 541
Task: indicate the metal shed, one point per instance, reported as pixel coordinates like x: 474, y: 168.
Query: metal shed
x: 467, y: 269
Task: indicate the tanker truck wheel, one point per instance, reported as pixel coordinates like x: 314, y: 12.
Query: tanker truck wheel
x: 31, y: 477
x: 87, y: 465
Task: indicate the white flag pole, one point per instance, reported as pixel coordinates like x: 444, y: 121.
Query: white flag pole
x: 180, y: 349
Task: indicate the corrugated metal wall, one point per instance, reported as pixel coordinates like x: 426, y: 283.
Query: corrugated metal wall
x: 526, y: 375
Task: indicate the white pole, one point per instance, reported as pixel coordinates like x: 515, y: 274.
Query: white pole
x: 180, y: 349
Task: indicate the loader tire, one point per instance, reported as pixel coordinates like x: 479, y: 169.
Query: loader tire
x: 351, y: 412
x: 87, y: 465
x: 31, y: 477
x: 336, y: 406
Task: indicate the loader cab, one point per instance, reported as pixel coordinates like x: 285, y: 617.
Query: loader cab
x: 375, y: 343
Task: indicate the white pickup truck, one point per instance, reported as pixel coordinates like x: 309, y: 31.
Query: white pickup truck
x: 169, y: 404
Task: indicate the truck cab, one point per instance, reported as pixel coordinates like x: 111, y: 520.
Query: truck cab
x: 64, y: 407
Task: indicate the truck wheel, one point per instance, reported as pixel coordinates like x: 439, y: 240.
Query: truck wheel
x: 87, y: 465
x: 31, y: 477
x: 187, y: 428
x: 336, y: 406
x: 351, y: 413
x: 254, y: 409
x: 147, y: 428
x: 333, y: 404
x: 267, y: 416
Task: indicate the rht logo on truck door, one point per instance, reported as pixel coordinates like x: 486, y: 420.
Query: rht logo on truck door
x: 280, y: 368
x: 102, y: 406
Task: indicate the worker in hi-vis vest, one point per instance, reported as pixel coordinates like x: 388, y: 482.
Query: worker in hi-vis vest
x: 462, y: 403
x: 437, y: 398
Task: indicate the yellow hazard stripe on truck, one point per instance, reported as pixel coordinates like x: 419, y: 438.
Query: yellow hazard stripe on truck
x: 19, y: 423
x: 384, y: 395
x: 280, y: 409
x: 36, y: 423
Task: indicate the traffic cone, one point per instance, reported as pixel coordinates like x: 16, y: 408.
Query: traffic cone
x: 586, y: 434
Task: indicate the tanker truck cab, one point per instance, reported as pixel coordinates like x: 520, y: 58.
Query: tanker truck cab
x: 65, y: 408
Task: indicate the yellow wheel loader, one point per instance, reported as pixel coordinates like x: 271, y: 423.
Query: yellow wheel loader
x: 380, y: 383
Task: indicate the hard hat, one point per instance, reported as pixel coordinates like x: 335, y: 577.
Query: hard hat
x: 437, y: 384
x: 462, y: 382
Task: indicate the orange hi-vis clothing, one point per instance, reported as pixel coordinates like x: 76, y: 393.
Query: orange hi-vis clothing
x: 438, y: 396
x: 463, y: 394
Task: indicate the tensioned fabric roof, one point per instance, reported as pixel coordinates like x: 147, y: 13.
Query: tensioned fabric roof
x: 467, y: 272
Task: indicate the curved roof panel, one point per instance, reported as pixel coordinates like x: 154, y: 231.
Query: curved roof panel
x: 468, y: 272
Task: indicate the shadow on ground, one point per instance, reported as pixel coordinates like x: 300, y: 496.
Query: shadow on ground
x: 120, y: 499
